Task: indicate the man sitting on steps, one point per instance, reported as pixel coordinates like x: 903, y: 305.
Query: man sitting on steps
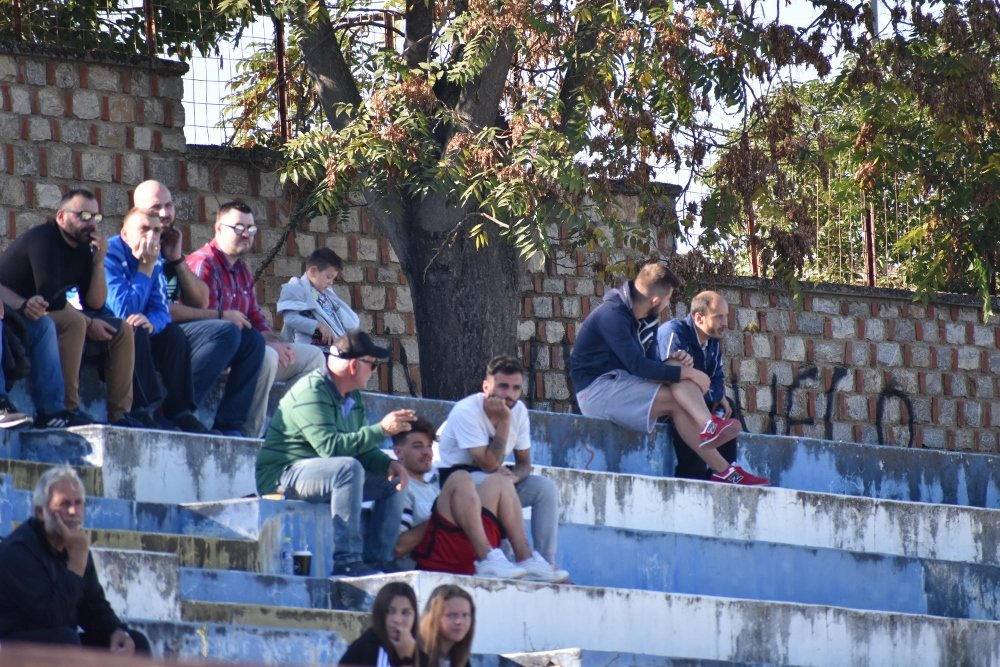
x: 458, y: 527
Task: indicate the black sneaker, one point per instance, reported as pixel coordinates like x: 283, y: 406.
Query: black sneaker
x: 55, y: 420
x: 80, y: 418
x: 188, y: 423
x: 9, y: 416
x: 137, y: 419
x: 357, y: 568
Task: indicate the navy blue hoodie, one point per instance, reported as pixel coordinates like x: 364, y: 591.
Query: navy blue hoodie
x: 611, y: 338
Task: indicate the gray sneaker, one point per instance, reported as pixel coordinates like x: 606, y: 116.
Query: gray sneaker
x: 9, y: 416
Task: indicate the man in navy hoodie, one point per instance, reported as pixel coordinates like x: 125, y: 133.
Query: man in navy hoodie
x: 618, y: 375
x: 699, y: 335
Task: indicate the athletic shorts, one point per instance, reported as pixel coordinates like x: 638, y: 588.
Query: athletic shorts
x: 445, y: 548
x: 622, y: 398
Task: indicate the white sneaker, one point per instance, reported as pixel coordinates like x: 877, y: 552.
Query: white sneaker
x: 540, y: 569
x: 496, y: 566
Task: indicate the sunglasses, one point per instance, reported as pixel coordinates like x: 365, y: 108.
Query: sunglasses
x: 87, y: 216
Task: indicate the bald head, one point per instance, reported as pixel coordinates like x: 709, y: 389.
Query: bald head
x: 710, y: 313
x: 154, y: 197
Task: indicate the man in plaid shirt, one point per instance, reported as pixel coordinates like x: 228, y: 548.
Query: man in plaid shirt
x: 230, y: 283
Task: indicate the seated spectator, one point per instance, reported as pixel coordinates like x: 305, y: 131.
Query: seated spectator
x: 39, y: 267
x: 219, y: 265
x: 482, y: 430
x: 137, y: 293
x: 618, y: 375
x: 311, y: 310
x: 391, y: 639
x: 448, y: 625
x: 699, y: 335
x: 320, y: 447
x: 215, y: 342
x: 43, y: 349
x: 456, y: 527
x: 47, y: 575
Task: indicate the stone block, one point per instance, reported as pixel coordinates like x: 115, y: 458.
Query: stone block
x: 761, y: 346
x: 387, y: 275
x: 968, y: 358
x: 111, y: 135
x: 47, y: 195
x: 35, y: 73
x: 394, y: 323
x: 75, y: 132
x: 920, y: 356
x: 372, y: 297
x: 132, y: 175
x: 305, y: 244
x: 353, y: 274
x: 907, y: 380
x: 983, y: 336
x: 842, y: 327
x: 571, y: 307
x: 115, y: 201
x: 747, y: 370
x: 778, y: 321
x: 793, y: 348
x: 904, y: 331
x: 27, y: 220
x: 60, y: 161
x: 933, y: 384
x: 367, y: 250
x: 943, y: 357
x: 152, y: 111
x: 889, y: 354
x: 103, y: 78
x: 554, y: 332
x: 856, y: 408
x: 782, y: 372
x: 542, y: 306
x: 67, y: 76
x: 8, y: 69
x: 166, y: 171
x: 984, y: 386
x: 270, y: 187
x: 949, y: 411
x: 235, y: 180
x: 51, y: 102
x: 874, y: 330
x: 859, y: 309
x: 828, y: 352
x: 954, y: 333
x: 320, y: 223
x: 810, y: 323
x: 583, y: 287
x: 525, y: 329
x: 760, y: 299
x: 921, y: 410
x: 20, y: 100
x: 828, y: 305
x: 86, y: 104
x: 745, y: 317
x: 10, y: 127
x: 142, y: 140
x: 26, y: 160
x: 98, y: 167
x: 171, y: 87
x: 872, y: 381
x: 12, y: 191
x: 173, y: 142
x: 763, y: 398
x: 39, y: 129
x: 732, y: 344
x: 555, y: 386
x: 553, y: 285
x: 930, y: 332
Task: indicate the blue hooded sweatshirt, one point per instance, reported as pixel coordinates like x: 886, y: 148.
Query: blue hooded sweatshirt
x: 611, y: 338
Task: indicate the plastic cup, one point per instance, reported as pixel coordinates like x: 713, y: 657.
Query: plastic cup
x: 302, y: 563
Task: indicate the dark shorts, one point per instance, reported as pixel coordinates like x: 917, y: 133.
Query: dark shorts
x: 445, y: 548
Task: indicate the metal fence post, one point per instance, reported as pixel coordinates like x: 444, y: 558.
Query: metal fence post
x: 17, y: 21
x: 279, y: 56
x: 147, y: 7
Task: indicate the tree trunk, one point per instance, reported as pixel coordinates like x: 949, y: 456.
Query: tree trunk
x: 466, y: 303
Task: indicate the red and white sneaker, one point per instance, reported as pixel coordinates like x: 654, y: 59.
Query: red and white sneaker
x: 737, y: 475
x: 718, y: 431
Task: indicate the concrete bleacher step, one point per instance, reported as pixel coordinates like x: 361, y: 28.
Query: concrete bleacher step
x: 806, y: 464
x: 192, y: 550
x: 522, y: 617
x: 581, y: 658
x: 242, y: 643
x: 349, y: 624
x: 25, y: 474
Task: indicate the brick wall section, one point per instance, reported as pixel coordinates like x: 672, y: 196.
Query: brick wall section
x: 824, y: 370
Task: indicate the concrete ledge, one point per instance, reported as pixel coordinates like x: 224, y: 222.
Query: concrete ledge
x: 706, y: 628
x: 781, y: 516
x: 140, y: 584
x: 575, y: 657
x: 206, y: 552
x: 348, y: 624
x: 25, y: 475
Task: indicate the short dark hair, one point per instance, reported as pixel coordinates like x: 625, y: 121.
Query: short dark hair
x: 422, y: 425
x: 75, y: 192
x: 236, y: 204
x: 504, y: 365
x: 323, y: 258
x: 656, y: 275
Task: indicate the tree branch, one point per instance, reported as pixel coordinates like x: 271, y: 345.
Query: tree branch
x: 576, y: 71
x: 419, y: 25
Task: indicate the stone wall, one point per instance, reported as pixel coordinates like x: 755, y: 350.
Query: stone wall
x: 853, y: 364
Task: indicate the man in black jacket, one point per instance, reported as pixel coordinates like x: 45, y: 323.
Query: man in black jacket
x: 47, y: 575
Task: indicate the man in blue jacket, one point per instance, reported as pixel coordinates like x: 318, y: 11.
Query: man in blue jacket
x: 618, y: 375
x: 699, y: 335
x: 137, y: 293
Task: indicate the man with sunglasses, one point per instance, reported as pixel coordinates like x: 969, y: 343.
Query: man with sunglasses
x: 320, y: 447
x: 231, y: 294
x: 40, y: 266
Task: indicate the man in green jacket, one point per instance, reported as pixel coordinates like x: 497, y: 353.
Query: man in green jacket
x: 319, y: 447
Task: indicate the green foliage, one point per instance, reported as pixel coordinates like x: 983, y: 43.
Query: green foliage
x: 909, y: 130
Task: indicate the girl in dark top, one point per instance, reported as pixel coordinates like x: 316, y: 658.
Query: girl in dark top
x: 448, y: 626
x: 392, y: 638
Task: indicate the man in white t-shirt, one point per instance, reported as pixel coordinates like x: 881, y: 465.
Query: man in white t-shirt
x: 483, y: 429
x: 458, y: 528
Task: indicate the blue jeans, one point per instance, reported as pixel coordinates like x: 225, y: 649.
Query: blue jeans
x: 342, y: 482
x: 215, y: 345
x: 48, y: 392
